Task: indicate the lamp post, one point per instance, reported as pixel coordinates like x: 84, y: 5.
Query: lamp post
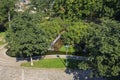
x: 66, y: 46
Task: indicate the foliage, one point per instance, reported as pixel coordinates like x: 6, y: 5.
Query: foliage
x: 52, y: 27
x: 104, y: 47
x: 75, y: 32
x: 42, y: 6
x: 5, y: 7
x: 25, y: 37
x: 83, y: 65
x: 31, y: 34
x: 82, y: 9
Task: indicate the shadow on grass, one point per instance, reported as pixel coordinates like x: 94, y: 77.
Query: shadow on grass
x: 73, y: 67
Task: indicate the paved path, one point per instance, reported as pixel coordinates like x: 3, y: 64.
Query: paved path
x: 6, y: 60
x: 11, y: 70
x: 11, y: 73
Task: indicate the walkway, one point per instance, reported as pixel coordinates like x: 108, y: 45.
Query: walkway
x: 6, y: 60
x: 11, y: 70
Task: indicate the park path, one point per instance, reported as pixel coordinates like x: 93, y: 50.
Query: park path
x: 6, y: 60
x: 11, y: 70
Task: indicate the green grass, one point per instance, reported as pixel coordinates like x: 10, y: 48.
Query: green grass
x: 47, y: 63
x: 2, y: 34
x: 54, y: 63
x: 70, y: 49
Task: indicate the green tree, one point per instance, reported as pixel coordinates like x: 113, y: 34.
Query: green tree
x: 25, y: 37
x: 86, y: 9
x: 103, y: 43
x: 6, y: 11
x: 43, y: 6
x: 75, y: 32
x: 52, y: 27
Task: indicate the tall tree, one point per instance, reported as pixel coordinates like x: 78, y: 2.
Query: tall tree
x: 82, y: 9
x: 103, y: 43
x: 75, y: 31
x: 25, y: 37
x: 7, y: 10
x: 42, y: 6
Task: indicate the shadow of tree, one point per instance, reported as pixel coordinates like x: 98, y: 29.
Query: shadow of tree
x: 114, y: 78
x: 28, y: 58
x: 79, y: 74
x: 62, y: 61
x: 2, y: 28
x: 23, y: 57
x: 73, y: 67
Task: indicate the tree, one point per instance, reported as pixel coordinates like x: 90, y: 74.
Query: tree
x: 86, y: 9
x: 52, y: 27
x: 74, y: 34
x: 7, y: 10
x: 25, y: 37
x: 43, y: 6
x: 104, y: 47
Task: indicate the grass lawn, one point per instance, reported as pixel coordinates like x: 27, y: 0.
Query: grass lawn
x: 2, y: 34
x: 47, y: 63
x: 70, y: 49
x: 53, y: 63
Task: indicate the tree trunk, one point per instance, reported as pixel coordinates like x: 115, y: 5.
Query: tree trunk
x: 9, y: 18
x: 31, y: 61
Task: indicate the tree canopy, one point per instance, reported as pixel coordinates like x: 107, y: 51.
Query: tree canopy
x: 75, y: 31
x: 103, y: 43
x: 31, y: 33
x: 5, y: 7
x: 26, y: 37
x: 85, y: 9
